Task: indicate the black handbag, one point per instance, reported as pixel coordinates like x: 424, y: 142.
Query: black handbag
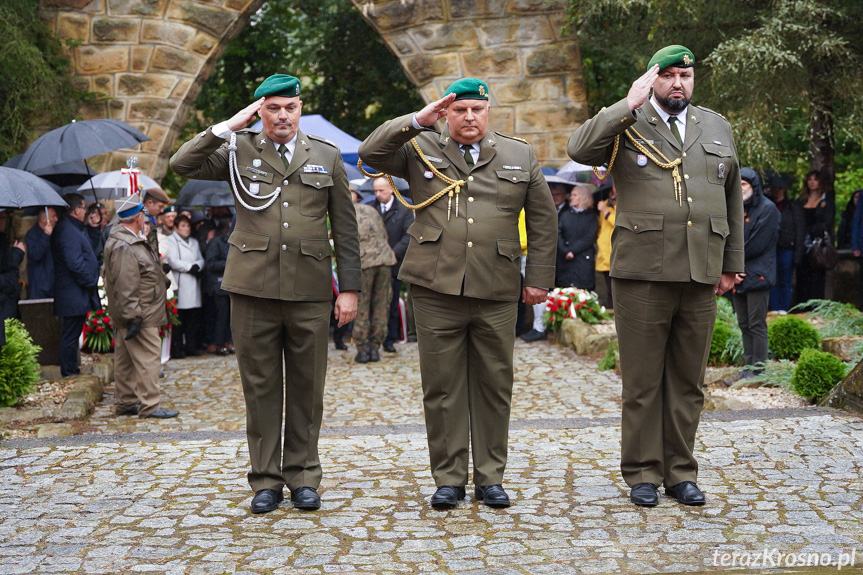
x: 822, y: 255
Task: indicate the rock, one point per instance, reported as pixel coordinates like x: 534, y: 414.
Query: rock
x: 14, y: 415
x: 103, y: 368
x: 716, y: 403
x: 85, y: 393
x: 584, y: 338
x: 54, y: 430
x: 848, y: 393
x: 845, y: 347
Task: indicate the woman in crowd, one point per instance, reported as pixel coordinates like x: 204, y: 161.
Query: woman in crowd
x: 217, y: 256
x: 184, y: 257
x: 576, y: 241
x: 818, y: 216
x: 606, y: 210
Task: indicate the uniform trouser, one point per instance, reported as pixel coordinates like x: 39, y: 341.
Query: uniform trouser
x: 137, y: 363
x: 393, y: 331
x: 273, y: 337
x: 751, y: 310
x: 664, y: 331
x: 70, y: 335
x: 373, y: 307
x: 465, y: 347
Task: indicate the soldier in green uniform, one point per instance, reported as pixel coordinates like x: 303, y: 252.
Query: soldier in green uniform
x: 278, y: 274
x: 677, y: 242
x: 468, y: 186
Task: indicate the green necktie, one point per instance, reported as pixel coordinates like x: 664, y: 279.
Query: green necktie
x: 468, y: 156
x: 283, y: 150
x: 672, y: 122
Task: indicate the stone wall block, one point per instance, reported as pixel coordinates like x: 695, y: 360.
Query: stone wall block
x: 101, y: 59
x: 64, y: 4
x: 402, y: 44
x: 104, y: 85
x: 536, y: 6
x: 576, y: 91
x: 150, y: 85
x: 181, y: 88
x: 491, y: 63
x: 116, y: 30
x: 146, y: 8
x: 243, y: 5
x: 502, y: 119
x: 445, y: 37
x: 167, y: 59
x: 204, y: 44
x: 515, y: 31
x: 524, y: 90
x: 174, y: 33
x: 555, y: 59
x: 395, y: 14
x: 211, y: 18
x: 117, y: 109
x: 158, y: 134
x: 161, y: 110
x: 534, y: 118
x: 73, y: 27
x: 141, y: 58
x: 422, y: 69
x: 472, y: 9
x: 94, y: 110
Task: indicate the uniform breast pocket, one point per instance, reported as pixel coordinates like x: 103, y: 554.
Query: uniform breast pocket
x: 251, y: 175
x: 719, y: 160
x: 315, y: 194
x: 423, y: 251
x: 247, y: 260
x: 638, y: 165
x: 314, y: 270
x: 638, y: 242
x: 507, y: 279
x: 511, y: 189
x: 716, y: 245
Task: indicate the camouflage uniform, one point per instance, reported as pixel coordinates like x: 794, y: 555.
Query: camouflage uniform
x: 377, y: 260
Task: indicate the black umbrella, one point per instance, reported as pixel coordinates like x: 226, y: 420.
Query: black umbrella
x: 68, y: 174
x: 78, y: 141
x: 205, y: 194
x: 20, y: 189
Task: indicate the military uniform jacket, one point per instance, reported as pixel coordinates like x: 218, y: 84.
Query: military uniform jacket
x: 375, y: 248
x: 476, y: 253
x: 134, y: 280
x: 655, y: 238
x: 282, y: 252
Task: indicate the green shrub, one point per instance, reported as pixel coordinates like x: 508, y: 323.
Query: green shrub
x: 19, y: 369
x: 608, y: 361
x: 726, y: 347
x: 721, y: 335
x: 817, y: 373
x: 788, y: 336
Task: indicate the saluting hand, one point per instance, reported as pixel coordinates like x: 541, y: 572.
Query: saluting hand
x: 434, y: 111
x: 640, y: 89
x: 242, y: 118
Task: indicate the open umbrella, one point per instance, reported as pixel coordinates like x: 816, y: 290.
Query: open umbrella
x: 20, y: 189
x: 113, y: 185
x: 575, y: 172
x: 68, y: 174
x: 214, y: 196
x: 78, y: 141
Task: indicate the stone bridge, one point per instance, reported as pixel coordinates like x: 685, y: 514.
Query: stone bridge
x: 149, y: 58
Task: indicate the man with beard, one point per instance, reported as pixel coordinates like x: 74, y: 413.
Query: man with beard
x: 678, y: 242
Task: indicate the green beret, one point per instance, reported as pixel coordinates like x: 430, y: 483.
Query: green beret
x: 678, y: 56
x: 468, y: 89
x: 279, y: 85
x: 169, y: 209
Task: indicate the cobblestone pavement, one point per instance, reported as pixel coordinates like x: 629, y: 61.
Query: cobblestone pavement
x: 777, y: 482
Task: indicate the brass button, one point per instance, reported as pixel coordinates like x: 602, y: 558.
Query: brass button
x: 255, y: 177
x: 689, y: 224
x: 622, y: 120
x: 689, y: 200
x: 470, y: 178
x: 244, y: 246
x: 470, y: 244
x: 685, y: 176
x: 684, y: 154
x: 285, y: 205
x: 470, y: 220
x: 318, y: 184
x: 470, y: 198
x: 514, y: 179
x: 634, y: 227
x: 285, y: 225
x: 284, y: 247
x: 421, y: 238
x: 284, y: 182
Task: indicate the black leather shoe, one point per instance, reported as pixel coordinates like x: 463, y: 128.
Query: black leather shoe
x: 362, y: 357
x: 266, y: 500
x: 340, y: 344
x: 390, y: 348
x: 534, y: 335
x: 163, y: 413
x: 306, y: 498
x: 645, y: 495
x: 447, y: 497
x: 492, y: 495
x: 133, y: 410
x: 374, y: 356
x: 686, y: 492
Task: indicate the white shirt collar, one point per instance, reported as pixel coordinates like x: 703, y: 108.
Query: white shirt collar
x: 292, y: 145
x: 389, y: 204
x: 681, y: 117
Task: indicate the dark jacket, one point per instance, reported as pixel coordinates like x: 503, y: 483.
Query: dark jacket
x: 397, y: 220
x: 760, y: 233
x: 792, y: 228
x: 214, y: 268
x: 857, y: 227
x: 76, y: 269
x: 577, y: 234
x: 10, y: 260
x: 40, y: 264
x: 97, y: 242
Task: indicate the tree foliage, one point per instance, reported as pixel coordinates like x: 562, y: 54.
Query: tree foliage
x: 786, y: 73
x: 35, y: 89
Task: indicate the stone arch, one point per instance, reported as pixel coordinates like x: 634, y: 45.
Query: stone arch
x: 148, y: 58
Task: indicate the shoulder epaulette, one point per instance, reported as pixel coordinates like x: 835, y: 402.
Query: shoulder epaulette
x: 712, y: 112
x: 324, y: 140
x: 513, y: 138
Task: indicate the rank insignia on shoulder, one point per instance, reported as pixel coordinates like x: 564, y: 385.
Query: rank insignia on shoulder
x: 254, y: 171
x: 641, y: 160
x: 313, y: 169
x: 263, y: 141
x: 434, y: 159
x: 256, y: 162
x: 505, y: 167
x: 428, y: 174
x: 254, y: 188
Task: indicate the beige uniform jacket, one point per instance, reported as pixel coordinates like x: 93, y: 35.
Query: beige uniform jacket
x: 282, y: 252
x: 479, y: 248
x: 134, y: 281
x: 655, y: 238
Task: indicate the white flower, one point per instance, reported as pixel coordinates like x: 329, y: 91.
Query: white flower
x: 602, y: 309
